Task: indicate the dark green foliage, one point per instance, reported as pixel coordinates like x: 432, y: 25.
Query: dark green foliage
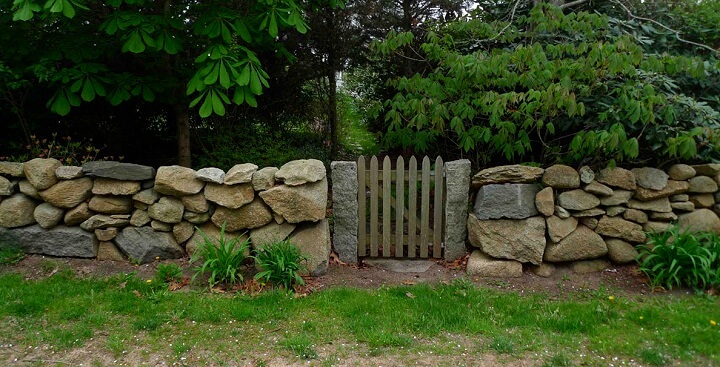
x: 267, y: 146
x: 221, y: 259
x: 280, y: 264
x: 10, y: 250
x: 10, y: 255
x: 167, y: 273
x: 551, y: 86
x: 674, y: 258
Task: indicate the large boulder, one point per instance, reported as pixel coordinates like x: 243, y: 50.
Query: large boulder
x: 620, y: 228
x: 14, y: 169
x: 559, y: 228
x: 270, y: 233
x: 100, y: 221
x: 301, y: 171
x: 17, y: 211
x: 617, y: 177
x: 177, y: 181
x: 196, y: 218
x: 618, y: 197
x: 702, y: 185
x: 230, y: 196
x: 48, y: 216
x: 108, y: 186
x: 298, y: 203
x: 561, y: 177
x: 507, y: 174
x: 69, y: 172
x: 482, y: 265
x: 578, y: 200
x: 143, y: 245
x: 60, y: 241
x: 587, y: 175
x: 7, y: 187
x: 183, y: 231
x: 68, y: 194
x: 701, y: 220
x: 313, y: 241
x: 520, y: 240
x: 211, y: 174
x: 710, y: 169
x: 253, y: 215
x: 147, y: 197
x: 41, y: 172
x: 111, y: 204
x: 620, y: 252
x: 658, y: 205
x: 140, y: 218
x: 78, y: 214
x: 681, y: 172
x: 240, y: 174
x: 513, y: 201
x: 583, y: 243
x: 196, y: 203
x: 167, y: 210
x: 672, y: 188
x: 264, y: 179
x: 702, y: 200
x: 29, y: 190
x: 650, y: 178
x: 545, y: 201
x: 589, y: 266
x: 596, y: 188
x: 119, y: 171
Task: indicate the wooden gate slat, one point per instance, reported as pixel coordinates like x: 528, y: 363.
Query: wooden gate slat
x: 412, y: 207
x: 373, y: 206
x: 387, y: 215
x: 399, y: 207
x: 425, y: 208
x: 438, y: 216
x: 362, y: 202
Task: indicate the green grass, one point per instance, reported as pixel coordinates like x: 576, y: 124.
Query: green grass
x: 124, y: 317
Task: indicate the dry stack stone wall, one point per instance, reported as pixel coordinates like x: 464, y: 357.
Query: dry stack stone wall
x: 541, y: 217
x: 116, y: 211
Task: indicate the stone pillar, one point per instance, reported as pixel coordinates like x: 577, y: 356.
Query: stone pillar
x: 345, y: 210
x: 457, y: 181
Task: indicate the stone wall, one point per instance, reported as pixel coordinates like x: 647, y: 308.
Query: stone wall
x: 114, y: 211
x: 528, y: 215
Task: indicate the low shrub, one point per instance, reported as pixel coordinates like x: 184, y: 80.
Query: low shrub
x: 674, y: 258
x: 11, y: 255
x: 280, y: 264
x: 167, y: 273
x: 222, y: 259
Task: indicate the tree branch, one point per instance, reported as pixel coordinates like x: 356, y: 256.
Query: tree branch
x: 677, y: 33
x: 573, y: 3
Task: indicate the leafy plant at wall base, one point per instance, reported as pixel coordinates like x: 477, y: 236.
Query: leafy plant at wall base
x: 674, y: 258
x: 281, y: 264
x: 10, y: 255
x: 222, y: 259
x: 167, y: 273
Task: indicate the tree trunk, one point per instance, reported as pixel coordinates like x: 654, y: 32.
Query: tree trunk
x: 332, y: 112
x: 182, y: 120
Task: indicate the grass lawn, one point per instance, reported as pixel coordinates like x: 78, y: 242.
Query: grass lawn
x: 124, y: 320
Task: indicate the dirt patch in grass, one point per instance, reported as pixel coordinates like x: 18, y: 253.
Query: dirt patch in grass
x: 625, y: 279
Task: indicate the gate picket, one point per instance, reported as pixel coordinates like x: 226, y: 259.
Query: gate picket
x: 412, y: 210
x: 373, y: 206
x: 362, y: 202
x: 425, y: 207
x: 399, y: 206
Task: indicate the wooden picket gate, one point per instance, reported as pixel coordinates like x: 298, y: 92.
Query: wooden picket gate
x: 404, y: 233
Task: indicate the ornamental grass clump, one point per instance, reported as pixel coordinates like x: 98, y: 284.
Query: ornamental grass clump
x: 222, y: 258
x: 673, y: 258
x: 280, y: 264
